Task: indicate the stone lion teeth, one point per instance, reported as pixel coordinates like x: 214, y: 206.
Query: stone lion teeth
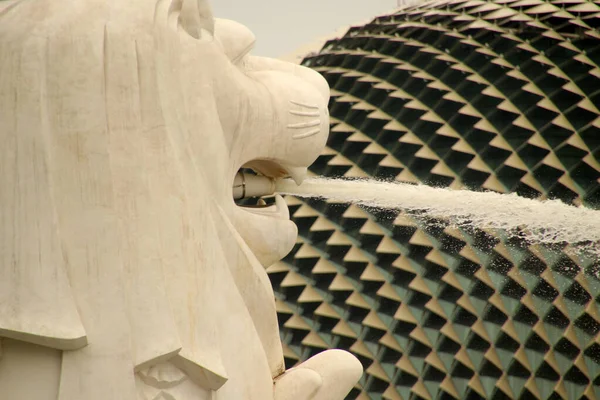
x: 282, y: 208
x: 298, y: 174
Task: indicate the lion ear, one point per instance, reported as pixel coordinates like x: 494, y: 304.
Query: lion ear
x: 196, y: 17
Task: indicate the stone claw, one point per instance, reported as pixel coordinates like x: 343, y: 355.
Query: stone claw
x: 329, y: 375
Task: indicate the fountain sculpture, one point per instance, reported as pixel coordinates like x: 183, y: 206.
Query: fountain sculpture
x: 126, y: 269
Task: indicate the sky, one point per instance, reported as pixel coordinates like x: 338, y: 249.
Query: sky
x: 282, y: 26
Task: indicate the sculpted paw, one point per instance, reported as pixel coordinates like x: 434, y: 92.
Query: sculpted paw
x: 329, y: 375
x: 298, y: 384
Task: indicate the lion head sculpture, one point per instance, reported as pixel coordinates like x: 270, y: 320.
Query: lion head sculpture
x: 126, y: 269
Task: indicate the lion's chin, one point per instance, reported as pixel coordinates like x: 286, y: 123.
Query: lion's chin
x: 267, y: 230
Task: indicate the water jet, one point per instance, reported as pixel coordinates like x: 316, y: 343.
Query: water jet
x: 544, y: 222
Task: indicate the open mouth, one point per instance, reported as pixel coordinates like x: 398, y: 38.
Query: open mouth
x: 261, y: 217
x: 254, y: 187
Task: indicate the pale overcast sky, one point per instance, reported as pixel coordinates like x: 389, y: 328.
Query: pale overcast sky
x: 281, y: 26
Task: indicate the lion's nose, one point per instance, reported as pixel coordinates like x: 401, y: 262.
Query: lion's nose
x: 305, y: 74
x: 315, y: 79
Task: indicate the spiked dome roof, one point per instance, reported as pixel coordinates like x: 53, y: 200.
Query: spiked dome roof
x: 500, y: 96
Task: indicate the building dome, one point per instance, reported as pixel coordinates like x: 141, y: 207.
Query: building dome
x: 501, y: 96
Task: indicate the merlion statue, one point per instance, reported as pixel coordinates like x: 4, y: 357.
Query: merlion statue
x: 127, y: 271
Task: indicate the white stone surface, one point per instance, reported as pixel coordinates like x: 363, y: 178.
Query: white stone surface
x: 126, y: 269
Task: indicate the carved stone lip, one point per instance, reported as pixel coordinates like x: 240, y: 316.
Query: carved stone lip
x: 278, y: 169
x: 277, y: 210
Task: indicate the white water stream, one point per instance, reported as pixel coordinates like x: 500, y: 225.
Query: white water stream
x: 544, y: 222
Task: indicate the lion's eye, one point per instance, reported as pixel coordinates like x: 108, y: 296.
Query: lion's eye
x: 236, y: 39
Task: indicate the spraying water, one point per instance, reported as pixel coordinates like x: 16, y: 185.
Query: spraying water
x: 544, y: 222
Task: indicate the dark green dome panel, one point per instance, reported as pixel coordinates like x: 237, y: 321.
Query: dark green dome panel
x: 501, y: 96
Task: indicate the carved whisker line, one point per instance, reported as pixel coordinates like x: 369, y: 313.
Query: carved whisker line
x: 306, y: 134
x: 304, y: 105
x: 301, y: 125
x: 305, y: 113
